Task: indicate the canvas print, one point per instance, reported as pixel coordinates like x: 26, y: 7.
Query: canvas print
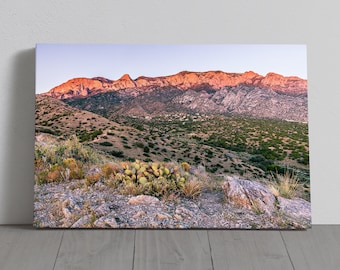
x: 171, y: 136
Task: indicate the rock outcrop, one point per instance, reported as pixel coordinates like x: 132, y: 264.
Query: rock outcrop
x: 249, y: 194
x: 298, y: 209
x: 258, y: 197
x: 143, y: 199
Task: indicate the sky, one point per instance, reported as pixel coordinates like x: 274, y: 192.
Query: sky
x: 58, y: 63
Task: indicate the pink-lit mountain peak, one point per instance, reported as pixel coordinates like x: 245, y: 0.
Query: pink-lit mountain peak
x: 125, y: 77
x: 185, y: 80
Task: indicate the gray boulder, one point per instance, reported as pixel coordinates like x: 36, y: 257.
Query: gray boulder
x: 249, y: 194
x: 297, y: 209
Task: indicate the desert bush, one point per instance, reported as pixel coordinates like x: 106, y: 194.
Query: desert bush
x: 151, y: 145
x: 45, y: 130
x: 109, y: 169
x: 106, y: 143
x: 73, y: 148
x: 139, y: 145
x: 131, y: 189
x: 40, y: 178
x: 209, y: 153
x: 52, y: 174
x: 115, y: 153
x: 58, y: 161
x: 265, y: 164
x: 212, y: 169
x: 197, y: 159
x: 75, y: 169
x: 91, y: 179
x: 185, y: 166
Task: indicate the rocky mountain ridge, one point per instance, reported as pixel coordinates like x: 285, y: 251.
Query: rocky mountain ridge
x: 241, y: 100
x: 185, y: 80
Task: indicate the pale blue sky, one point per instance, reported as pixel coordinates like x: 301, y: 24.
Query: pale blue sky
x: 57, y: 63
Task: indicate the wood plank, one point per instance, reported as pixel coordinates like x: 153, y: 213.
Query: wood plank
x: 96, y: 249
x: 162, y: 250
x: 248, y: 250
x: 23, y: 247
x: 317, y: 248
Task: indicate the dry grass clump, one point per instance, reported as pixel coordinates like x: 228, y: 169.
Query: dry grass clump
x: 208, y: 182
x: 287, y: 186
x: 192, y: 188
x: 131, y: 189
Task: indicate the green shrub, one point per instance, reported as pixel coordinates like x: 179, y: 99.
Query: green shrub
x: 139, y: 145
x: 118, y: 154
x: 106, y: 143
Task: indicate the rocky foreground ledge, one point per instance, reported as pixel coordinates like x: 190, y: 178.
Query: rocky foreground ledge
x: 241, y: 204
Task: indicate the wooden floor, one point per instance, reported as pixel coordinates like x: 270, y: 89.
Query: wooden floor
x: 23, y: 247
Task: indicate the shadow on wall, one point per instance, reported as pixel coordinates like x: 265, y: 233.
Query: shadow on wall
x: 19, y: 168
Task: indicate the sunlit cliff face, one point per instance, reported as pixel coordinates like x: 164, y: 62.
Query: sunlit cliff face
x: 82, y: 87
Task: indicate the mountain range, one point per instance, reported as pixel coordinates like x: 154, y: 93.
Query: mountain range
x: 211, y: 92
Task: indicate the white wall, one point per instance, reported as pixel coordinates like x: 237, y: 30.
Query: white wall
x: 25, y: 23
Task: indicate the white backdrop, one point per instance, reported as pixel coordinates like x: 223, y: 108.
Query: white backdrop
x: 25, y: 23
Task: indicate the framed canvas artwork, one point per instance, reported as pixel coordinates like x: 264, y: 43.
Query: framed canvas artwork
x: 171, y: 136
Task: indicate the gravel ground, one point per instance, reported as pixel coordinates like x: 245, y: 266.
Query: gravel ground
x: 73, y: 205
